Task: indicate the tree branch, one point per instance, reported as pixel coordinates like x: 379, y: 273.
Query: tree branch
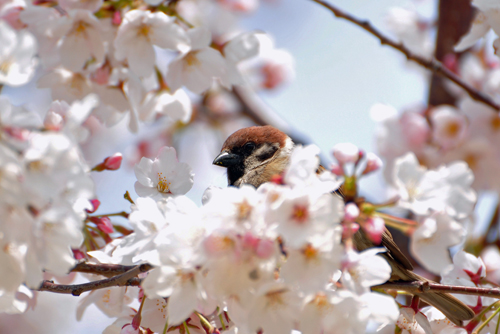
x: 432, y: 64
x: 429, y: 287
x: 126, y: 279
x: 108, y: 270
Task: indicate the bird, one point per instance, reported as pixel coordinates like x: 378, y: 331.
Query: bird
x: 253, y: 155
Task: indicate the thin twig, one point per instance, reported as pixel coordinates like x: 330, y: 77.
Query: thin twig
x: 126, y: 279
x: 108, y: 270
x: 431, y: 64
x: 428, y: 287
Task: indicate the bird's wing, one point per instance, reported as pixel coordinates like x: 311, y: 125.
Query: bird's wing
x: 394, y: 251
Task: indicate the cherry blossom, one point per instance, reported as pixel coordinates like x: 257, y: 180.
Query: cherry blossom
x: 431, y: 241
x: 17, y: 55
x: 163, y: 176
x: 446, y: 189
x: 83, y: 40
x: 197, y: 68
x: 137, y: 34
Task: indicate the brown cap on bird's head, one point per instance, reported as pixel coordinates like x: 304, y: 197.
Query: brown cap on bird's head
x: 256, y: 134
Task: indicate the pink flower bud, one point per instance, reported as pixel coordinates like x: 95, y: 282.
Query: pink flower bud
x: 346, y: 153
x: 374, y: 228
x: 336, y: 169
x: 110, y: 163
x: 351, y: 212
x: 103, y: 224
x: 101, y: 75
x: 17, y: 133
x: 78, y: 254
x: 349, y: 230
x: 274, y: 75
x: 117, y: 18
x: 373, y: 163
x: 95, y: 205
x: 113, y: 162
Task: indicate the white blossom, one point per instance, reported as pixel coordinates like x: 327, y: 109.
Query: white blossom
x: 139, y: 31
x: 17, y: 55
x: 163, y: 176
x: 431, y: 241
x: 197, y: 68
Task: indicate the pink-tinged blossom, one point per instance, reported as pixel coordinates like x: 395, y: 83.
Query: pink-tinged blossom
x: 398, y: 134
x: 197, y: 69
x: 374, y: 227
x: 449, y: 127
x: 17, y: 55
x: 431, y: 241
x: 299, y: 217
x: 70, y: 119
x: 236, y: 264
x: 163, y: 176
x: 271, y: 68
x: 83, y: 40
x: 139, y: 31
x: 373, y: 163
x: 346, y: 153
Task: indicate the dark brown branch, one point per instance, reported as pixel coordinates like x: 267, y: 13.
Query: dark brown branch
x: 126, y: 279
x: 108, y: 270
x: 455, y: 17
x: 432, y: 64
x: 428, y: 287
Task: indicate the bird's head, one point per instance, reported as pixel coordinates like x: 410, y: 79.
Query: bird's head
x: 253, y: 155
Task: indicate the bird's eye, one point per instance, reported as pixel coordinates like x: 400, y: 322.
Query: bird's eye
x: 249, y: 147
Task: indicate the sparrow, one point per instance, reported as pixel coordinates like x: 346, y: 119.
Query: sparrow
x: 255, y: 154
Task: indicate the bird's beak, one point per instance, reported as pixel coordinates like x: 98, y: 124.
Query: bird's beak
x: 226, y: 159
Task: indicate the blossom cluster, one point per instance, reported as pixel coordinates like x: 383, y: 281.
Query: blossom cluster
x: 272, y: 258
x: 117, y: 50
x: 45, y: 189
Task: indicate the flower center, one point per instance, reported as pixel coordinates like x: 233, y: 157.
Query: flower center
x: 310, y: 252
x: 191, y: 59
x: 452, y: 129
x: 244, y: 210
x: 144, y: 30
x: 300, y: 213
x: 4, y: 66
x: 163, y: 185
